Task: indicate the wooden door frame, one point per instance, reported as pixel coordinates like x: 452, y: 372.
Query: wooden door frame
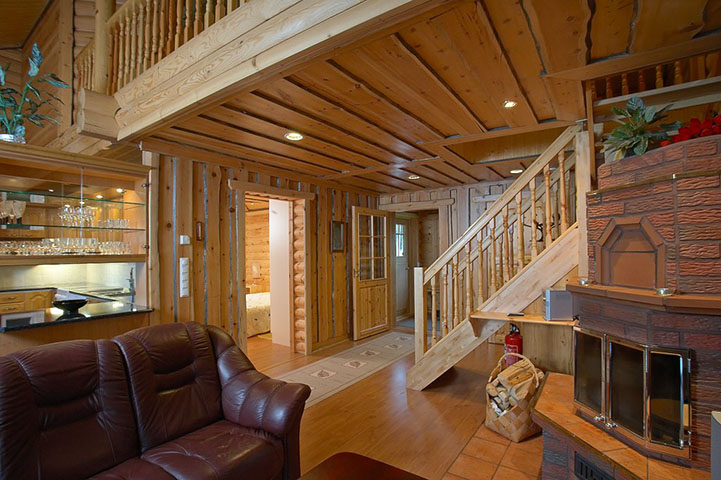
x: 356, y: 211
x: 241, y: 188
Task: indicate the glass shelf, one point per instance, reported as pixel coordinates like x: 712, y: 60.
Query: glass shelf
x: 22, y: 226
x: 64, y: 197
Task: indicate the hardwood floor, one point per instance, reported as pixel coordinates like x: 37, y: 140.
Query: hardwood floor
x: 421, y: 432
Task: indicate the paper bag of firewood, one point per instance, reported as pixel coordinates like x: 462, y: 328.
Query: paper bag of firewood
x: 509, y: 395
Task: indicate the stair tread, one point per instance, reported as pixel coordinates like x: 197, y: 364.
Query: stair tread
x: 528, y: 318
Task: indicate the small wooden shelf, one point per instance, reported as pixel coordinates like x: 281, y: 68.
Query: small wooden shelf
x: 538, y: 319
x: 27, y: 260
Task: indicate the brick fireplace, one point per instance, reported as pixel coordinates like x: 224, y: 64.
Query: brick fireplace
x: 655, y: 222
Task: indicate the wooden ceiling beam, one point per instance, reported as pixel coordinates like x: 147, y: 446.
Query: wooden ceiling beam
x: 384, y: 168
x: 634, y: 61
x: 499, y: 132
x: 179, y: 149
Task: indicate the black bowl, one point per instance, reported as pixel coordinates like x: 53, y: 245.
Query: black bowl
x: 70, y: 307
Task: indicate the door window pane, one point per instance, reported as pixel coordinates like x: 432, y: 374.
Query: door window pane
x: 365, y: 269
x: 379, y: 268
x: 379, y: 247
x: 364, y: 224
x: 365, y: 246
x: 379, y: 225
x: 400, y: 240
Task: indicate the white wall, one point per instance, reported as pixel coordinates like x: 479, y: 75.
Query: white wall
x: 280, y: 271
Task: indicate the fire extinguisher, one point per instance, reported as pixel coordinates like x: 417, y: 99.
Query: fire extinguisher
x: 513, y: 343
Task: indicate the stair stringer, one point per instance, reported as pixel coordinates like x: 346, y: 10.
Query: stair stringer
x: 543, y: 272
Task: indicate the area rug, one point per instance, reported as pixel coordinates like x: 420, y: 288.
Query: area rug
x: 330, y: 375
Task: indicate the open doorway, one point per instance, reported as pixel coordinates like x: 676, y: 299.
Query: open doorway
x: 268, y: 275
x: 416, y: 243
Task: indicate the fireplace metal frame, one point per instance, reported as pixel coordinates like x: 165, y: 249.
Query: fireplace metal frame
x: 602, y: 419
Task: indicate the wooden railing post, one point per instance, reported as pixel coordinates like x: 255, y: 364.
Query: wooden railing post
x: 103, y: 10
x: 583, y: 186
x: 419, y: 305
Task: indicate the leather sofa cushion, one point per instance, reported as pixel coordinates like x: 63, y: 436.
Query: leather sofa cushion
x: 65, y: 411
x: 173, y: 380
x: 220, y: 451
x: 134, y: 469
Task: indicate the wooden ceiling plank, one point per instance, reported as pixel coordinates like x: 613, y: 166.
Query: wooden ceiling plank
x: 500, y: 132
x: 354, y: 106
x: 221, y: 144
x: 515, y: 37
x: 393, y: 180
x: 272, y: 130
x: 634, y: 61
x: 611, y: 27
x: 561, y: 40
x: 659, y: 24
x: 405, y: 87
x: 260, y: 106
x: 408, y: 50
x: 472, y: 36
x: 225, y: 130
x: 202, y: 153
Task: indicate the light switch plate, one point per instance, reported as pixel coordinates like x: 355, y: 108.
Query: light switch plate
x: 185, y: 239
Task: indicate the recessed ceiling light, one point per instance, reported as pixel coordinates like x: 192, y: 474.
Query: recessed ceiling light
x: 51, y: 190
x: 509, y: 104
x: 517, y: 170
x: 413, y: 177
x: 98, y: 196
x: 120, y: 190
x: 293, y: 136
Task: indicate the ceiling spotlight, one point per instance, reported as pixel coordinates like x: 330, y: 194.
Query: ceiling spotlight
x: 293, y: 136
x: 51, y: 190
x: 509, y: 104
x: 413, y: 177
x: 517, y: 170
x: 120, y: 190
x: 99, y: 197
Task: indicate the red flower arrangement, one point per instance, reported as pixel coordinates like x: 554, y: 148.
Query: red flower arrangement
x: 696, y: 129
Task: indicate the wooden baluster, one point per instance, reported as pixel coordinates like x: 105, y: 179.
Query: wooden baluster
x: 519, y: 223
x: 677, y: 72
x: 229, y: 7
x: 624, y: 84
x: 562, y: 187
x: 494, y: 265
x: 209, y: 18
x: 594, y: 94
x: 115, y: 77
x: 148, y: 32
x: 641, y: 81
x: 469, y: 283
x: 163, y: 25
x: 188, y: 30
x: 609, y: 88
x: 128, y: 45
x: 534, y: 234
x: 121, y: 55
x: 198, y: 22
x: 444, y: 300
x: 219, y: 10
x: 133, y: 42
x: 178, y: 39
x: 507, y: 272
x: 155, y: 33
x: 659, y: 76
x: 434, y: 333
x: 171, y: 27
x: 140, y: 33
x: 480, y: 269
x: 456, y: 292
x: 547, y: 184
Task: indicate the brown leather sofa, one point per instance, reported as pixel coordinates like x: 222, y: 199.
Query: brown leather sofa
x: 169, y: 401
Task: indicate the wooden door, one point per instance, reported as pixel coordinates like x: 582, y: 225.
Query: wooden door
x: 372, y: 309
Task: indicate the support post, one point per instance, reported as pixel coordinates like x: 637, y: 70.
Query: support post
x: 419, y: 304
x: 583, y: 186
x: 103, y: 11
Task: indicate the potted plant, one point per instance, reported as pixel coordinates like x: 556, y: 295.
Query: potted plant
x: 696, y: 129
x: 634, y: 135
x: 16, y: 107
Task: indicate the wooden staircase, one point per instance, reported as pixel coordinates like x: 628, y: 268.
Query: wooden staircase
x: 524, y: 243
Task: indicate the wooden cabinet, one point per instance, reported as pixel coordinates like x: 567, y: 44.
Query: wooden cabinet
x: 39, y: 300
x: 11, y: 297
x: 27, y: 301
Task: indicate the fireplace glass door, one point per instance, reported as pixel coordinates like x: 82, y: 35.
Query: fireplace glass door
x: 627, y: 375
x: 588, y: 380
x: 668, y: 404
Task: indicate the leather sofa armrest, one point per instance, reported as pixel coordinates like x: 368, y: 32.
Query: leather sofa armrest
x: 250, y: 398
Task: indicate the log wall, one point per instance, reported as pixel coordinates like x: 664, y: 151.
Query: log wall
x: 257, y: 251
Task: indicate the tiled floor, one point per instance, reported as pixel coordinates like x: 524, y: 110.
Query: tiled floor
x: 490, y: 456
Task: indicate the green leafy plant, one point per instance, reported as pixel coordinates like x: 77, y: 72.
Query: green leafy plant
x: 634, y: 135
x: 16, y: 107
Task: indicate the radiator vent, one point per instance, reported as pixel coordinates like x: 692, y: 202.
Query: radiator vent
x: 585, y: 470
